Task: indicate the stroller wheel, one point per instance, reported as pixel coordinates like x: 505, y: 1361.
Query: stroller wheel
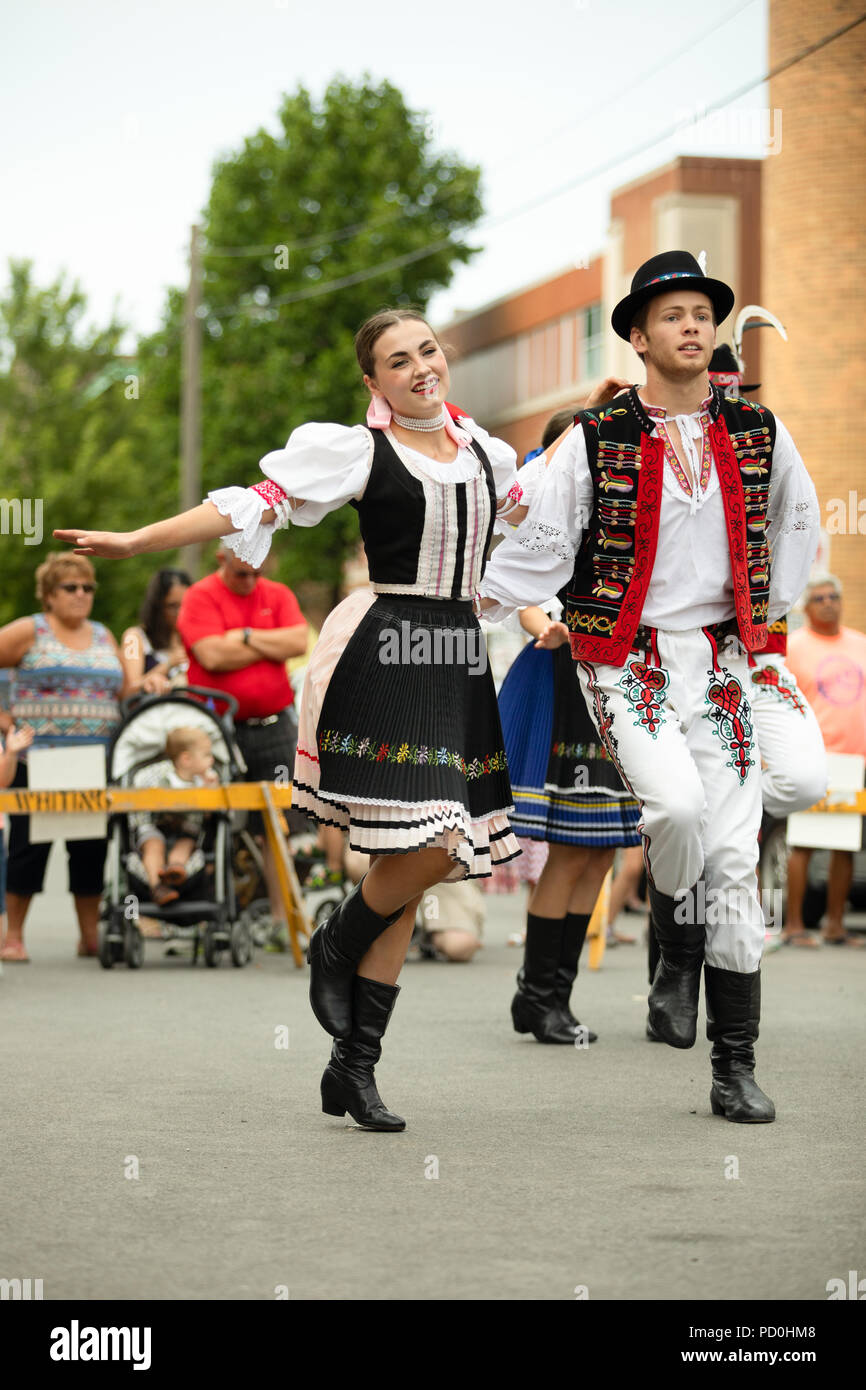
x: 107, y: 955
x: 133, y: 946
x: 241, y: 944
x: 211, y: 949
x: 325, y: 909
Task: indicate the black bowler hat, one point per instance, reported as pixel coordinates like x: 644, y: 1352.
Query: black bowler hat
x: 668, y: 271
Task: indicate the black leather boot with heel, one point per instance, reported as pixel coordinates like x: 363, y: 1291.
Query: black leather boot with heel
x: 733, y: 1016
x: 676, y: 987
x: 534, y: 1008
x: 335, y: 950
x: 348, y: 1083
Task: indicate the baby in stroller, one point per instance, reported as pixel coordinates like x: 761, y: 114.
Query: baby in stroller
x: 168, y: 845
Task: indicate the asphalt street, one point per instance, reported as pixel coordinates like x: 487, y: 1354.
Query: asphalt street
x: 160, y: 1141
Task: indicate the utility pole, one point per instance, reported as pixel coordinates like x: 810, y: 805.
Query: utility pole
x: 190, y: 418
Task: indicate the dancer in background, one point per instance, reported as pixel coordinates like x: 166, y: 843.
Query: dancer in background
x: 567, y: 793
x: 399, y: 740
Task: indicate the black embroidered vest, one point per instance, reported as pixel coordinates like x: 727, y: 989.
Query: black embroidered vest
x: 615, y: 562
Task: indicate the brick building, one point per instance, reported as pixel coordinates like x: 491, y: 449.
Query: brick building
x: 814, y: 258
x: 541, y: 348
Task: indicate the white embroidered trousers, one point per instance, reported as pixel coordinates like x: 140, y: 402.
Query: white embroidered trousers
x: 678, y: 722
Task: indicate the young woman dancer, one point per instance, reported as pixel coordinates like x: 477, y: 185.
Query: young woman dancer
x: 399, y: 740
x: 567, y: 792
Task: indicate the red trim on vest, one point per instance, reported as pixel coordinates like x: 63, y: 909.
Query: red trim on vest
x: 777, y: 638
x: 753, y: 635
x: 613, y: 650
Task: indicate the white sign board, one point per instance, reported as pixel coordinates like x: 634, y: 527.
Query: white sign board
x: 65, y: 770
x: 832, y: 830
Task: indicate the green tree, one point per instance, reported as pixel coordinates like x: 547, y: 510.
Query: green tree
x: 348, y: 208
x: 72, y: 436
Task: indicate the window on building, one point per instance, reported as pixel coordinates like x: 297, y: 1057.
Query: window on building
x: 591, y: 343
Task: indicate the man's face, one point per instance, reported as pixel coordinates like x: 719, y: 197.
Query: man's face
x: 237, y: 576
x: 824, y: 609
x: 679, y: 336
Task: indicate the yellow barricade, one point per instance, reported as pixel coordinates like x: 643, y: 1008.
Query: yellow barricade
x: 268, y: 797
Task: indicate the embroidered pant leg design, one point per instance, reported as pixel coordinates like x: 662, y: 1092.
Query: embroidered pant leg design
x: 659, y: 769
x: 794, y: 775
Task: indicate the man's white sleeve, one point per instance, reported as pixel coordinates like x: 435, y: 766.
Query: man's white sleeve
x: 538, y: 559
x: 793, y: 525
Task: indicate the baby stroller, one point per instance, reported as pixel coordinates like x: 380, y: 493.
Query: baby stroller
x: 206, y: 913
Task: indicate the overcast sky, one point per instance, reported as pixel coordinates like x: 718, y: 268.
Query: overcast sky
x: 112, y: 112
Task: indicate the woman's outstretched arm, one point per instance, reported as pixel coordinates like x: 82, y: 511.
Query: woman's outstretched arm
x: 203, y: 523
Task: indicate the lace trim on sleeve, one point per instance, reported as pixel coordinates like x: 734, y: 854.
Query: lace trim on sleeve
x: 542, y: 535
x: 798, y: 516
x: 244, y: 507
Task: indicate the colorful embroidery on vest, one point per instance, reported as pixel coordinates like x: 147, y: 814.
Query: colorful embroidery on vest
x: 644, y: 687
x: 730, y: 713
x: 620, y: 543
x: 769, y: 679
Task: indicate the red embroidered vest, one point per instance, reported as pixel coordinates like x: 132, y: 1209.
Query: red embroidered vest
x: 615, y: 562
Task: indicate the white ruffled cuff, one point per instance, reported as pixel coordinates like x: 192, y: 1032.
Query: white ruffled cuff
x: 244, y: 507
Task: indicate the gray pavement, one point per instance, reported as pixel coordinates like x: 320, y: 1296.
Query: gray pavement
x: 558, y: 1168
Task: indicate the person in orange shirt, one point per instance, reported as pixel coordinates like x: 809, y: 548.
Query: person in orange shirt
x: 829, y: 662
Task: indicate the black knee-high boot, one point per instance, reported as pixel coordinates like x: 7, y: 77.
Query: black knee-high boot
x: 348, y: 1083
x: 733, y: 1015
x: 676, y: 987
x: 573, y: 937
x: 652, y: 961
x: 534, y: 1008
x: 335, y: 950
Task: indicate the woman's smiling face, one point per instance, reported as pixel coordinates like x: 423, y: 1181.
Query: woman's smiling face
x: 411, y: 371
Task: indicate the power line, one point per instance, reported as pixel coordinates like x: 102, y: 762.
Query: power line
x: 595, y: 110
x: 324, y: 238
x: 531, y: 204
x: 342, y: 283
x: 603, y: 168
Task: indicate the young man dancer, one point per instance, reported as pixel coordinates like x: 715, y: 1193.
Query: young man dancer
x: 689, y: 522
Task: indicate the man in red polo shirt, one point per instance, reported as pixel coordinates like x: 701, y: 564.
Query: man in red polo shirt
x: 239, y: 630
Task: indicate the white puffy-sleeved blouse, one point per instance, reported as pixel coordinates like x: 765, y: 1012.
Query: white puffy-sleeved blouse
x: 324, y: 466
x: 691, y: 583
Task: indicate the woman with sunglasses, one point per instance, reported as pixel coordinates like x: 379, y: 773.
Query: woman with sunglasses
x: 67, y: 684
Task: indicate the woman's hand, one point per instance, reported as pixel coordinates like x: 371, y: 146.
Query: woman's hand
x: 154, y: 683
x: 552, y: 636
x: 18, y: 739
x: 111, y: 545
x: 605, y: 391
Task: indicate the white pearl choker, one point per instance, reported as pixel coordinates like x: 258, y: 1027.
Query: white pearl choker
x: 409, y: 422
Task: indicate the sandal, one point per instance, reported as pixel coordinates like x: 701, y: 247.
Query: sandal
x: 846, y: 939
x: 14, y: 952
x: 800, y: 938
